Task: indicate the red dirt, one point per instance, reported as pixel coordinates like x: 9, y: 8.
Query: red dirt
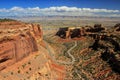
x: 59, y: 70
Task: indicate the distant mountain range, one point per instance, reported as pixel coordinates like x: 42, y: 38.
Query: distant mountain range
x: 28, y: 18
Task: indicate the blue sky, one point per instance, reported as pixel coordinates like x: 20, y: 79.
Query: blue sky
x: 60, y: 7
x: 108, y: 4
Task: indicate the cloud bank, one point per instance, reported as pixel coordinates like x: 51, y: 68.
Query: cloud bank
x: 59, y: 11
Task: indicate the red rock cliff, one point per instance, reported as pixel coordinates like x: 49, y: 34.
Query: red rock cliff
x: 17, y: 41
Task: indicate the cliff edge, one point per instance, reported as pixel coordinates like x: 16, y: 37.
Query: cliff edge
x: 23, y: 54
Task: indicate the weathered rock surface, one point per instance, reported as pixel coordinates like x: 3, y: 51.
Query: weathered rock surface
x: 16, y: 46
x: 117, y: 27
x: 97, y: 54
x: 23, y: 54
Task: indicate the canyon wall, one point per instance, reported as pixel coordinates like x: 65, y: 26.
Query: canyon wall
x: 14, y: 46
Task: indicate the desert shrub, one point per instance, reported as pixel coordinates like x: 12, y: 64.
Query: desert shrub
x: 11, y: 73
x: 29, y: 62
x: 26, y: 72
x: 18, y: 71
x: 30, y: 69
x: 23, y: 65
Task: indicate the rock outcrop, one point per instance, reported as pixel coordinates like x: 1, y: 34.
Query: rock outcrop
x: 117, y: 27
x: 17, y: 41
x: 96, y: 28
x: 22, y: 53
x: 70, y: 32
x: 73, y: 32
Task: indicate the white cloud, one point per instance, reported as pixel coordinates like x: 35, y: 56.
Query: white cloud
x: 63, y: 10
x: 34, y: 9
x: 3, y: 10
x: 16, y: 9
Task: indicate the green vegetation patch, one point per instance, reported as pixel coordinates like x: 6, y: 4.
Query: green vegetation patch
x: 6, y: 19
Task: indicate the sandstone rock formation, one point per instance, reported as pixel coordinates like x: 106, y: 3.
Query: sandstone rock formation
x: 117, y: 27
x: 62, y: 32
x: 71, y: 32
x: 79, y: 31
x: 17, y: 41
x: 96, y: 28
x: 23, y: 54
x: 99, y: 57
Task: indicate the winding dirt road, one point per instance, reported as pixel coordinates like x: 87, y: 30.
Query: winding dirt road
x: 51, y: 53
x: 64, y: 62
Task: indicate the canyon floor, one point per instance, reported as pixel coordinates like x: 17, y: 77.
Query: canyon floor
x: 81, y: 61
